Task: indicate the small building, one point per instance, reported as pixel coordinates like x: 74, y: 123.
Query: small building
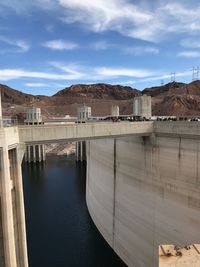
x: 142, y: 106
x: 33, y: 116
x: 115, y: 111
x: 84, y: 112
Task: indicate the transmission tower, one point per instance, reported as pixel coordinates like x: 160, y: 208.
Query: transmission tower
x: 195, y: 73
x: 173, y: 76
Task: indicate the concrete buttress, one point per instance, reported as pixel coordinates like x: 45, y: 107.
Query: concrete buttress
x: 12, y: 224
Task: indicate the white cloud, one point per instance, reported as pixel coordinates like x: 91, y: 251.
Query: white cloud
x: 36, y: 85
x: 50, y: 28
x: 101, y: 45
x: 151, y: 24
x: 15, y: 45
x: 60, y: 45
x: 100, y: 73
x: 74, y: 72
x: 165, y: 76
x: 129, y: 83
x: 62, y: 85
x: 190, y: 43
x: 132, y: 50
x: 102, y: 15
x: 21, y: 7
x: 189, y: 54
x: 152, y: 21
x: 123, y: 72
x: 140, y: 50
x: 18, y: 6
x: 72, y: 68
x: 10, y: 74
x: 88, y: 74
x: 23, y: 45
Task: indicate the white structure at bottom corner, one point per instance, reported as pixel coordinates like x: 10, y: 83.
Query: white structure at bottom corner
x: 115, y: 111
x: 142, y: 106
x: 84, y: 112
x: 33, y: 116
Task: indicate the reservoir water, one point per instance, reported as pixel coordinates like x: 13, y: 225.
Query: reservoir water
x: 60, y: 232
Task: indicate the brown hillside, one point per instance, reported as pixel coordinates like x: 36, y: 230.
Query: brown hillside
x: 178, y: 99
x: 171, y: 99
x: 180, y: 105
x: 164, y: 89
x: 100, y: 97
x: 10, y: 95
x: 99, y: 91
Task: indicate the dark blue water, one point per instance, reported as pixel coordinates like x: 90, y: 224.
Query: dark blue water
x: 60, y: 232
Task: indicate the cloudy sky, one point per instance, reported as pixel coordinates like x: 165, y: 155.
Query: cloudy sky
x: 46, y: 45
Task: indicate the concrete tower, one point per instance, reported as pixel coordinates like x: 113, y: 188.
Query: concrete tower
x: 33, y: 116
x: 84, y: 112
x: 115, y: 110
x: 142, y: 106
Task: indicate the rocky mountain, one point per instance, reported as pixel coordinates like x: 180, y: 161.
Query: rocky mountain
x: 175, y: 88
x: 164, y: 89
x: 171, y: 99
x: 99, y: 96
x: 13, y: 96
x: 99, y: 91
x: 176, y: 99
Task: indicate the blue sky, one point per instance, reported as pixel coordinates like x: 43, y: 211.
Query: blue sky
x: 46, y: 45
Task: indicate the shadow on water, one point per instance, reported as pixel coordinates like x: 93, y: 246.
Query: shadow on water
x: 60, y: 232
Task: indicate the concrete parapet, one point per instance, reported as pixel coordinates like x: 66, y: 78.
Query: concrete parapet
x: 81, y: 131
x: 189, y: 129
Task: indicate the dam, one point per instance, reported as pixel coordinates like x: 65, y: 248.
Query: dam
x: 142, y: 186
x: 143, y: 192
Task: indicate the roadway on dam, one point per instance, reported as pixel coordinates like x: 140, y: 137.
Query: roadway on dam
x: 81, y: 131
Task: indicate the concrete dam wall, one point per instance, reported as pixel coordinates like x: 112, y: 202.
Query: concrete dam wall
x: 143, y: 192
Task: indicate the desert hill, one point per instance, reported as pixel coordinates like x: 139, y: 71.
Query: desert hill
x: 171, y: 99
x: 99, y: 91
x: 176, y: 99
x: 10, y: 95
x: 99, y: 96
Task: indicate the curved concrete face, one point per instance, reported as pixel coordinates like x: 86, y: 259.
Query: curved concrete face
x: 143, y: 192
